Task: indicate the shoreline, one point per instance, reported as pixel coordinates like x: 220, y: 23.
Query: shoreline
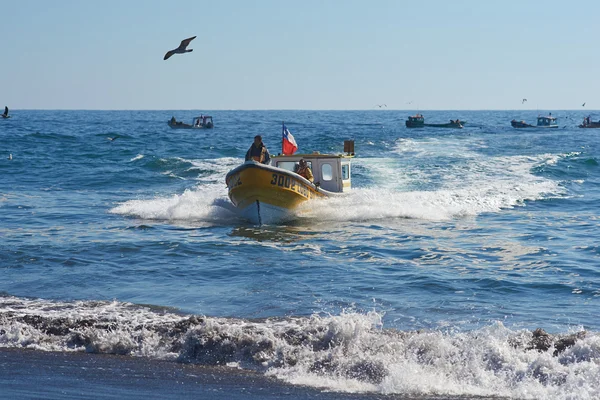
x: 26, y: 374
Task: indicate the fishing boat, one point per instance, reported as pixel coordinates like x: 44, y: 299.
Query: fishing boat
x: 201, y: 122
x: 588, y: 123
x: 542, y: 122
x: 270, y: 193
x: 520, y: 124
x: 418, y: 121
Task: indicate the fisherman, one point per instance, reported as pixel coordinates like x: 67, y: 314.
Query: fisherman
x: 258, y: 151
x: 304, y: 171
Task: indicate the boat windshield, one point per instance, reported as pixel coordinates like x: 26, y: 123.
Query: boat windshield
x: 288, y: 165
x: 545, y: 121
x: 291, y: 165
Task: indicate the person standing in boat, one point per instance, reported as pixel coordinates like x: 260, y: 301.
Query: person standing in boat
x: 304, y: 171
x: 258, y: 151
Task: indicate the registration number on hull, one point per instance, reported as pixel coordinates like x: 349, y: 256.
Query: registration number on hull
x: 290, y: 183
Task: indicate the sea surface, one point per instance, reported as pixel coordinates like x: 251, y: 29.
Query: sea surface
x: 463, y: 263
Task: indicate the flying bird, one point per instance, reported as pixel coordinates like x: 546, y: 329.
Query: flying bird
x: 523, y: 102
x: 381, y: 105
x: 112, y: 138
x: 181, y: 49
x: 583, y: 105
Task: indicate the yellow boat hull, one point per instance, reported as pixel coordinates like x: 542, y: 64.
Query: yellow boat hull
x: 264, y: 194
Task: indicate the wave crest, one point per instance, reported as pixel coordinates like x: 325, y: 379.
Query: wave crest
x: 346, y: 352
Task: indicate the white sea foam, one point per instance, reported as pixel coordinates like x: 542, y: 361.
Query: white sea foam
x: 350, y: 352
x: 207, y: 202
x: 214, y: 170
x: 138, y: 157
x: 204, y: 203
x: 475, y: 185
x: 171, y: 174
x: 472, y: 185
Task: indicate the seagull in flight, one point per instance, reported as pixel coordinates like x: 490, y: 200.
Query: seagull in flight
x: 583, y: 105
x: 523, y: 101
x: 112, y: 139
x: 381, y: 105
x: 181, y: 49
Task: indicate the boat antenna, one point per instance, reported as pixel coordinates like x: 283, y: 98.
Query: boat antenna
x: 282, y: 134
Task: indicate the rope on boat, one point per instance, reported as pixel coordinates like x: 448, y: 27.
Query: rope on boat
x: 258, y: 212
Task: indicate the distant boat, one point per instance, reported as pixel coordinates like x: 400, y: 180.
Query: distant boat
x: 542, y: 122
x: 201, y: 122
x: 520, y: 124
x: 418, y: 121
x: 587, y: 123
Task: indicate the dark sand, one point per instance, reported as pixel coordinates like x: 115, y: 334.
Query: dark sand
x: 29, y: 374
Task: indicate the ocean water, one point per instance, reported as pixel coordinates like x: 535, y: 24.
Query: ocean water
x: 463, y: 262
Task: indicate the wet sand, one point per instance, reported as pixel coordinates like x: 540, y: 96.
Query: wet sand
x: 29, y: 374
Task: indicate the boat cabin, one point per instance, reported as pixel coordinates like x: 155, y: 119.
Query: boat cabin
x: 331, y: 172
x: 415, y: 121
x: 546, y: 121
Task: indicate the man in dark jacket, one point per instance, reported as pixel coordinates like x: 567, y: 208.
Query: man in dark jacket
x: 258, y: 151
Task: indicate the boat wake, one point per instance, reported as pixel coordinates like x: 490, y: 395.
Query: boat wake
x: 459, y: 190
x: 204, y: 204
x: 350, y: 352
x: 388, y: 188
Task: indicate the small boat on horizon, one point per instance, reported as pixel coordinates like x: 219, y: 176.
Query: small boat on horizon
x: 269, y: 193
x: 201, y: 122
x: 542, y: 122
x: 418, y: 121
x: 588, y: 123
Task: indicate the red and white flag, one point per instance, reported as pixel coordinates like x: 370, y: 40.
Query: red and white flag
x: 288, y: 144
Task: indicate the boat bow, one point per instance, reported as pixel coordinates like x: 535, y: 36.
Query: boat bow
x: 266, y: 194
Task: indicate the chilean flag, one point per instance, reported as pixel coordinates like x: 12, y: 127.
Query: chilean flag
x: 288, y: 144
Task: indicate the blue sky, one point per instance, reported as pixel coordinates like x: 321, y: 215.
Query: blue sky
x: 291, y: 54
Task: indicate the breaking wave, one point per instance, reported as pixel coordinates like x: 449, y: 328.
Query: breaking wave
x: 349, y: 352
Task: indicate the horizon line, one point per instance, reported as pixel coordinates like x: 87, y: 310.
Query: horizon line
x: 300, y: 109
